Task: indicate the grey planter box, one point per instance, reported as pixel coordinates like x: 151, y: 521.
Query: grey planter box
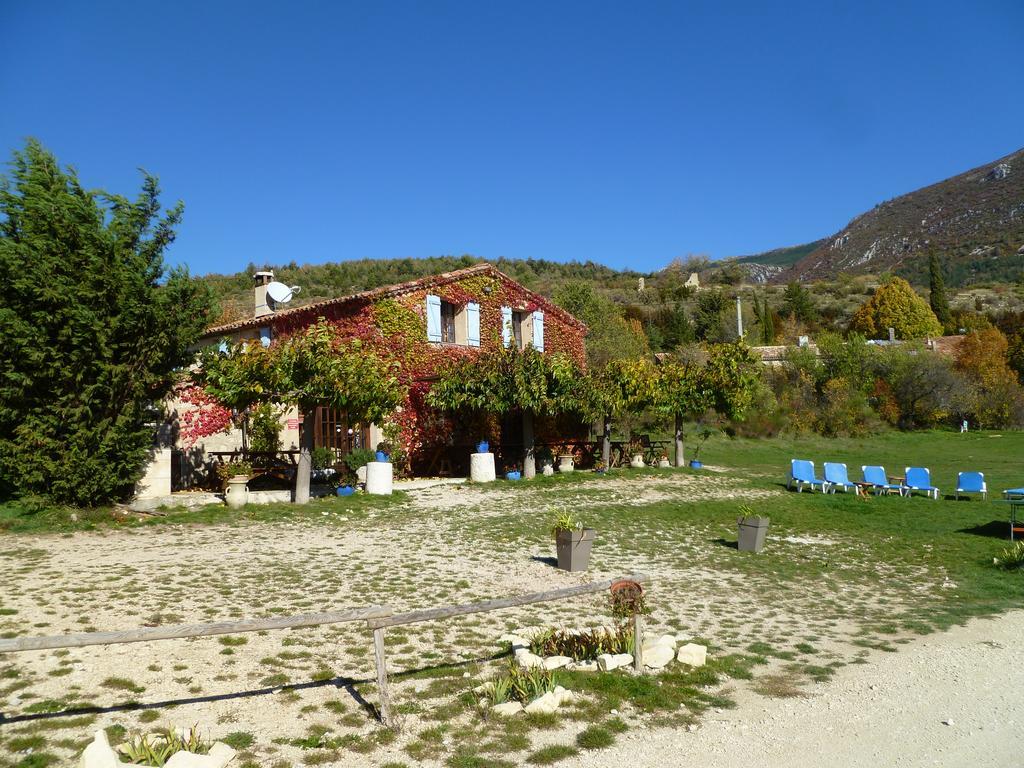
x: 752, y: 533
x: 573, y: 548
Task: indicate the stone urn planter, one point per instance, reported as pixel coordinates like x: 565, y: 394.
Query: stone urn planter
x: 637, y: 462
x: 565, y: 463
x: 236, y: 494
x: 573, y: 548
x: 664, y: 463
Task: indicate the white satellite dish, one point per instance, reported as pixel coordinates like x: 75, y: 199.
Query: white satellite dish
x: 280, y: 293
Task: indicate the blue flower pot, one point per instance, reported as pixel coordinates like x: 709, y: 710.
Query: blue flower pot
x: 512, y: 476
x: 381, y: 456
x: 695, y: 465
x: 345, y: 490
x: 483, y: 447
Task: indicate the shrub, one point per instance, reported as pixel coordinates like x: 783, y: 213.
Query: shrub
x: 522, y: 685
x: 584, y: 645
x: 265, y: 429
x: 1011, y: 559
x: 156, y: 749
x: 323, y: 458
x: 360, y: 457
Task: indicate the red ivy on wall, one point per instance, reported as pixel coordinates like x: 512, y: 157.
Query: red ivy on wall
x: 206, y: 416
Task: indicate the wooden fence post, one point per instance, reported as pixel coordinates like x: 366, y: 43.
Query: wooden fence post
x: 382, y: 676
x: 638, y: 642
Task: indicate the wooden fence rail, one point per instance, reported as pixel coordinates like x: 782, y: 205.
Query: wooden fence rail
x: 177, y: 631
x: 377, y: 618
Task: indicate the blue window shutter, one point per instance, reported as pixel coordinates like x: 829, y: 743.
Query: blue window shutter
x: 265, y: 337
x: 473, y: 324
x: 538, y: 331
x: 433, y: 318
x: 223, y: 346
x: 506, y: 325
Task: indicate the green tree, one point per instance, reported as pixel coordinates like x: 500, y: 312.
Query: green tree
x: 93, y: 329
x: 765, y: 318
x: 896, y: 305
x: 797, y: 303
x: 316, y: 367
x: 709, y: 315
x: 937, y: 298
x: 624, y: 386
x: 723, y: 379
x: 507, y: 380
x: 610, y: 336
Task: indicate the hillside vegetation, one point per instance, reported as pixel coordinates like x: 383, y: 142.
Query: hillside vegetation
x: 975, y: 221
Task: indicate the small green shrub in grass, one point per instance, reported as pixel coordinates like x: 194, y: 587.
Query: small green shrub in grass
x: 1011, y: 559
x: 595, y: 737
x: 552, y: 754
x: 239, y: 740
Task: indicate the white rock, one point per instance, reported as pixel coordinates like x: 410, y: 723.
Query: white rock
x: 545, y: 704
x: 563, y: 695
x: 528, y: 660
x: 99, y: 753
x: 556, y: 662
x: 507, y: 709
x: 658, y: 656
x: 584, y: 666
x: 606, y: 662
x: 484, y: 687
x: 219, y: 756
x: 624, y: 659
x: 667, y: 640
x: 693, y: 654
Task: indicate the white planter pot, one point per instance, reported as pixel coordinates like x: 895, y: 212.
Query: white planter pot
x: 637, y: 461
x: 481, y: 467
x: 565, y: 464
x: 664, y: 463
x: 237, y: 493
x: 379, y: 478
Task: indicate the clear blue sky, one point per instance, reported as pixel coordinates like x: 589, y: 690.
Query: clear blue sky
x: 627, y: 133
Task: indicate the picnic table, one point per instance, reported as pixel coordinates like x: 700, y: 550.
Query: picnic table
x: 277, y: 464
x: 1015, y: 498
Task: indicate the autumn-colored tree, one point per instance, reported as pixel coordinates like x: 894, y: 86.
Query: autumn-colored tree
x: 996, y: 398
x: 896, y: 305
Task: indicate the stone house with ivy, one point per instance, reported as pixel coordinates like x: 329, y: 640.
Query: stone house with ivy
x: 421, y: 325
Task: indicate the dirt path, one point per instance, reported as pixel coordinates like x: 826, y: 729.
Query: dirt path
x: 951, y: 699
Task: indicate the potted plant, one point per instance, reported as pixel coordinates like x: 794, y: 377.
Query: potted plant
x: 483, y: 447
x: 235, y: 478
x: 635, y: 451
x: 599, y: 467
x: 572, y: 542
x: 383, y: 451
x: 695, y: 462
x: 663, y: 459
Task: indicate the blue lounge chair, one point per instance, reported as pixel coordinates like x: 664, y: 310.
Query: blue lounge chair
x: 837, y: 477
x: 920, y: 479
x: 971, y: 482
x: 801, y: 473
x: 878, y: 481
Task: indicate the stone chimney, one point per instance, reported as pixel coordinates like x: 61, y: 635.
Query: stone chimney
x: 262, y: 280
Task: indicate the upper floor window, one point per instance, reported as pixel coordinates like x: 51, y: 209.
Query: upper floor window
x: 522, y: 329
x: 450, y: 323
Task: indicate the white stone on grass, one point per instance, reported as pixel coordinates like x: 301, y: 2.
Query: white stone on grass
x: 556, y: 662
x: 607, y: 661
x: 658, y: 656
x: 652, y: 640
x: 563, y: 695
x: 514, y: 640
x: 545, y: 704
x: 528, y: 660
x: 693, y: 654
x: 507, y: 708
x: 583, y: 666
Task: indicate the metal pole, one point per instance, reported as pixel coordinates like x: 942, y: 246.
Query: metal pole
x: 739, y: 316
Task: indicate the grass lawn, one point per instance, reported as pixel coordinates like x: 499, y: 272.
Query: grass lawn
x: 841, y: 578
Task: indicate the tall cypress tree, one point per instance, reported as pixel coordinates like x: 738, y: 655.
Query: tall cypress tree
x: 92, y: 330
x: 937, y: 298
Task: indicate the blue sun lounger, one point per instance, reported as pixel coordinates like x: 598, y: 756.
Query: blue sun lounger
x: 876, y: 480
x: 801, y: 473
x: 920, y: 479
x: 971, y: 482
x: 837, y: 477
